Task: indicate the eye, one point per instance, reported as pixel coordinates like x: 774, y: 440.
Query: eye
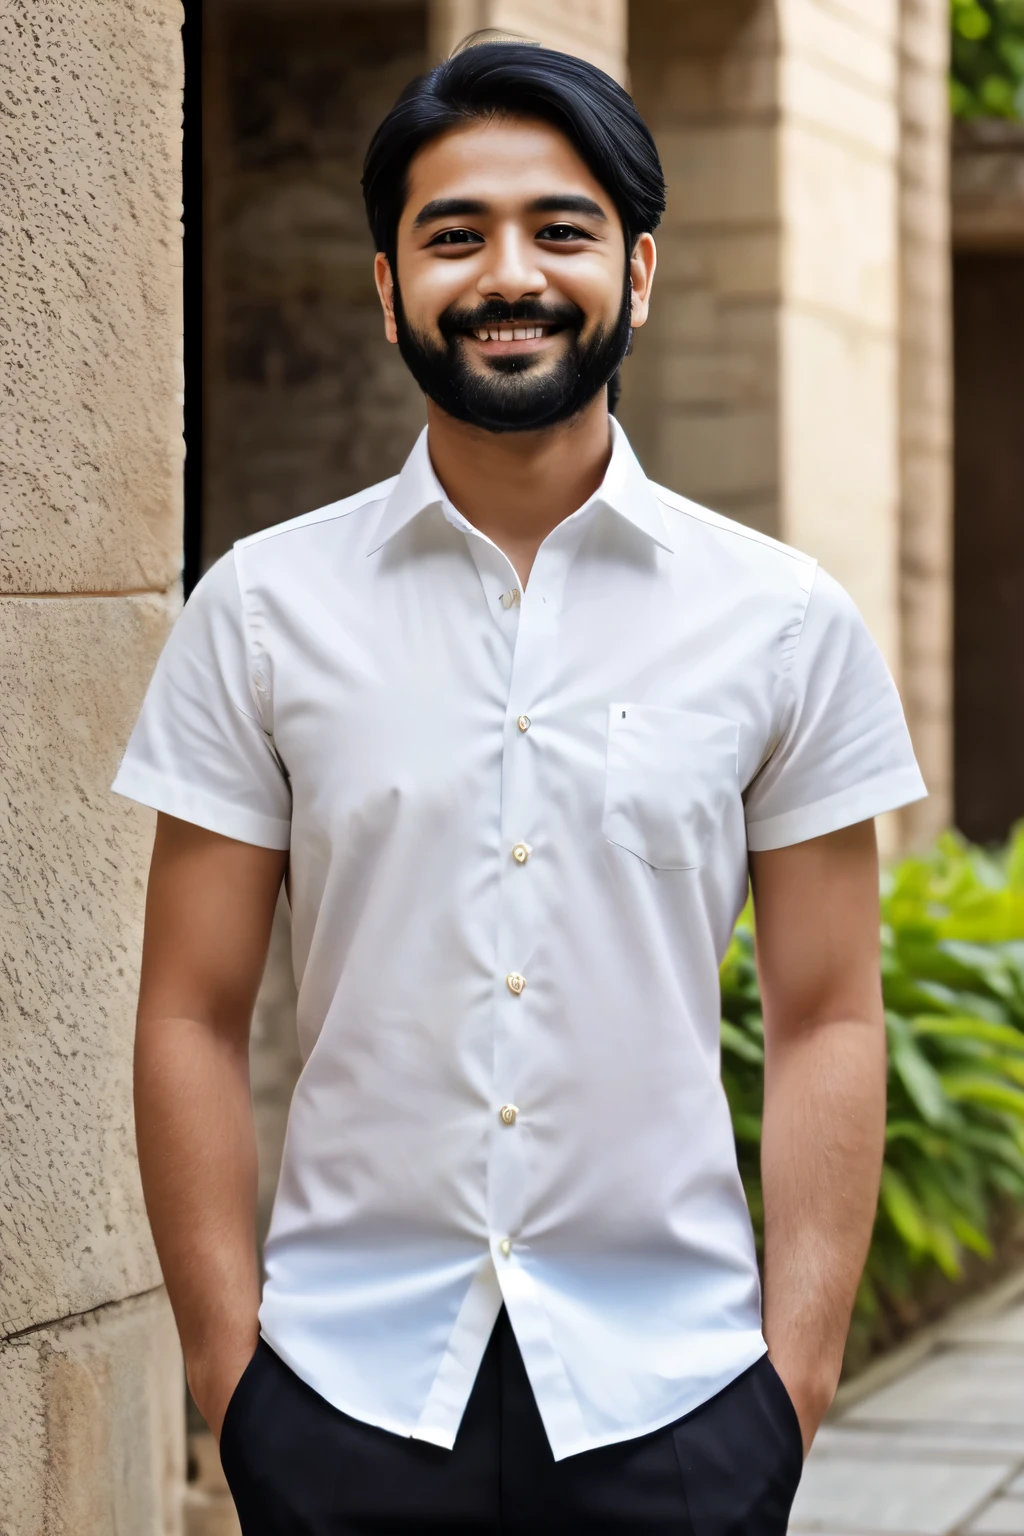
x: 456, y: 237
x: 561, y: 233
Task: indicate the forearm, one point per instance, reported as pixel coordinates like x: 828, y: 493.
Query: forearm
x: 197, y: 1153
x: 821, y: 1152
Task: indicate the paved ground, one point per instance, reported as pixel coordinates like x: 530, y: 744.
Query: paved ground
x: 933, y: 1445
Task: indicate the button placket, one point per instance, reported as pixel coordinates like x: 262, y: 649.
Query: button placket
x: 519, y: 914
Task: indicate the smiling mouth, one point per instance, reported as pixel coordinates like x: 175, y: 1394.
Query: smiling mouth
x: 513, y: 332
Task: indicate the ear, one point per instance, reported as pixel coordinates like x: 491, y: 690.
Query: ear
x: 641, y: 272
x: 386, y: 291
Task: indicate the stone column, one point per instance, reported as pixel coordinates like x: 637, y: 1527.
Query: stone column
x: 926, y: 513
x: 594, y: 29
x: 794, y: 373
x: 91, y: 1390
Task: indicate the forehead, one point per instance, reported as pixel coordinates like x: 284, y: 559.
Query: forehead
x: 501, y: 161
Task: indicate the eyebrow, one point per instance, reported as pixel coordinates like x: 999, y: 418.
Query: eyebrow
x: 457, y: 207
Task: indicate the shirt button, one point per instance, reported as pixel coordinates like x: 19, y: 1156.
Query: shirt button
x: 508, y: 1114
x: 515, y: 982
x: 521, y: 852
x: 523, y: 722
x: 505, y: 1247
x: 510, y: 599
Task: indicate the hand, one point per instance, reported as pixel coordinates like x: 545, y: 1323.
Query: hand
x: 811, y: 1392
x: 212, y: 1380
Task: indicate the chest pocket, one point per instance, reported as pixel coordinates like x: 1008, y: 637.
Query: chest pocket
x: 670, y: 775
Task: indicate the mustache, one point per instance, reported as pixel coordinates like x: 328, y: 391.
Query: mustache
x: 455, y: 320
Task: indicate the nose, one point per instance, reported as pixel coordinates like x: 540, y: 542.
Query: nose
x: 512, y: 272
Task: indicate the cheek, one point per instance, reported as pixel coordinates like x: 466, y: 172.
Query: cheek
x: 429, y: 288
x: 591, y: 285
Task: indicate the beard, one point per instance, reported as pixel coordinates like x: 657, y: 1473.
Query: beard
x: 513, y: 394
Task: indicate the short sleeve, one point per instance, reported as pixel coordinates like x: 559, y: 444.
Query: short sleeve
x: 843, y: 752
x: 199, y: 750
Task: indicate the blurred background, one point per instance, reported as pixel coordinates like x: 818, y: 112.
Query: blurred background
x: 835, y: 357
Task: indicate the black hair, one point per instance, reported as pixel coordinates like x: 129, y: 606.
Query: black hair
x: 512, y: 79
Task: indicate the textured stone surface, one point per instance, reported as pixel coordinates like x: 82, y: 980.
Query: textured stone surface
x: 926, y: 511
x: 909, y: 1497
x: 593, y: 29
x: 92, y: 1427
x: 306, y: 401
x: 73, y: 857
x: 700, y: 394
x: 90, y: 434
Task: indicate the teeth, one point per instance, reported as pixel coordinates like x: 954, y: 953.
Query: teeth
x: 507, y: 333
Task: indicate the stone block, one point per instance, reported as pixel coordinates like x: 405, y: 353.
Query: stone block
x: 90, y: 218
x: 924, y: 35
x: 840, y: 465
x: 1003, y: 1330
x: 92, y: 1425
x: 73, y: 1231
x: 820, y: 98
x: 831, y: 38
x: 746, y: 264
x: 911, y: 1496
x: 1003, y: 1517
x: 741, y: 85
x: 840, y: 212
x: 962, y: 1386
x: 718, y: 455
x: 880, y: 17
x: 720, y: 175
x: 717, y: 378
x: 592, y: 29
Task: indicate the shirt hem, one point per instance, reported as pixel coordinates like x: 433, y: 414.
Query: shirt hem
x: 562, y: 1447
x: 887, y: 792
x: 136, y: 782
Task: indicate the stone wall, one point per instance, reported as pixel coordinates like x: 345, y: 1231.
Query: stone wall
x: 701, y: 392
x: 795, y: 371
x: 90, y: 535
x: 593, y: 29
x: 305, y: 400
x: 926, y: 449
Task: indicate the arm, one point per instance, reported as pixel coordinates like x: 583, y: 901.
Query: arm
x: 824, y: 1107
x: 209, y: 910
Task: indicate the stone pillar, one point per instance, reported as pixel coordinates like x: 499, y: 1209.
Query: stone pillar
x: 593, y: 29
x: 926, y: 513
x: 794, y: 373
x: 91, y: 1388
x: 839, y: 423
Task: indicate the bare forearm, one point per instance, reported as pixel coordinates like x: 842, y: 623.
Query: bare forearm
x: 197, y: 1152
x: 822, y: 1141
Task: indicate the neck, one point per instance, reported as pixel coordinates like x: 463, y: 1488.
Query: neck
x: 516, y: 486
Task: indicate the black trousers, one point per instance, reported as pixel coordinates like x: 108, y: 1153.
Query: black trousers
x: 298, y: 1467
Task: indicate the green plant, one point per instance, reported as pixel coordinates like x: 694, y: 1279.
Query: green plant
x: 987, y: 64
x: 952, y: 932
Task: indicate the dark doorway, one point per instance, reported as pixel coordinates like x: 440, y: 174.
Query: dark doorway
x: 989, y: 542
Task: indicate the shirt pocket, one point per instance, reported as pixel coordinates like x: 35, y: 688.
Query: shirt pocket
x: 669, y: 777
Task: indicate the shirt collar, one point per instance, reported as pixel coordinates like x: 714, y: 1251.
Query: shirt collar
x: 625, y: 490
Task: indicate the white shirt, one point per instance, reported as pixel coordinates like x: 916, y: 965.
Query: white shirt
x: 518, y: 835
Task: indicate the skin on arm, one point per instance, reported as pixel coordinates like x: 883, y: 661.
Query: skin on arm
x: 825, y: 1092
x: 209, y: 909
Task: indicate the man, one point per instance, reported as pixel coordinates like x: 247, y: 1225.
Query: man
x: 514, y: 727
